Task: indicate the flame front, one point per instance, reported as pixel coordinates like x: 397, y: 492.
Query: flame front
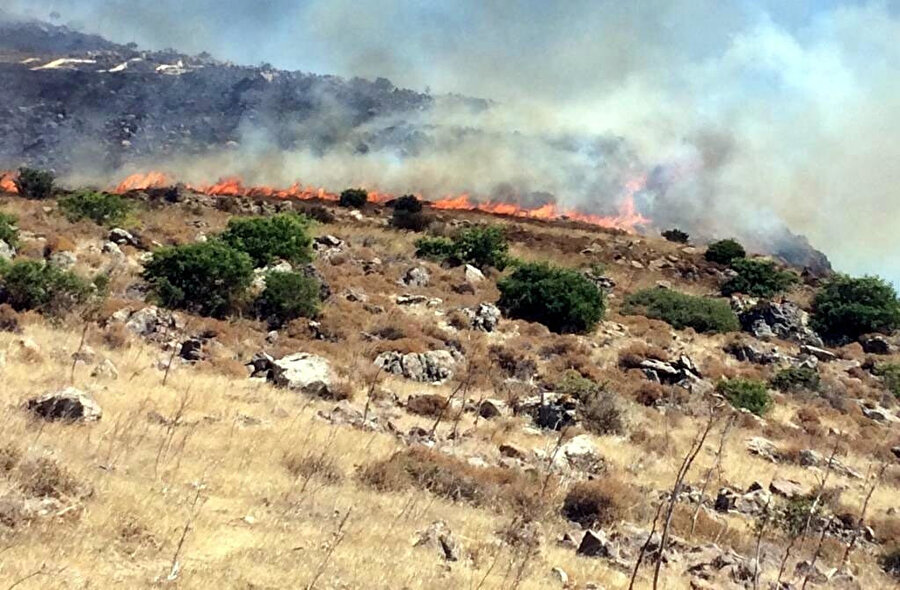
x: 8, y: 183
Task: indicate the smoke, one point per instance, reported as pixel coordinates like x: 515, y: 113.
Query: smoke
x: 745, y: 116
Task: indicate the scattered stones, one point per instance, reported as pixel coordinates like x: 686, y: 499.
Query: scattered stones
x: 63, y: 259
x: 407, y: 299
x: 473, y: 275
x: 435, y: 366
x: 670, y: 373
x: 355, y: 296
x: 69, y: 404
x: 752, y: 353
x: 438, y: 537
x: 302, y: 372
x: 122, y: 237
x: 763, y: 447
x: 552, y: 411
x: 879, y: 414
x: 327, y: 245
x: 812, y: 458
x: 146, y: 321
x: 417, y: 276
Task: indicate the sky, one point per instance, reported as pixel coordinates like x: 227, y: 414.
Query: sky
x: 766, y: 110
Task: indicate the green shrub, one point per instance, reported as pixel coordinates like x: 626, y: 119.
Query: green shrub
x: 724, y: 252
x: 759, y: 278
x: 890, y: 374
x: 9, y: 231
x: 482, y: 247
x: 283, y: 236
x: 408, y: 214
x: 353, y: 197
x: 207, y: 278
x: 683, y: 311
x: 748, y: 394
x: 845, y: 308
x: 560, y: 298
x: 34, y: 284
x: 793, y: 515
x: 34, y: 184
x: 796, y: 379
x: 434, y: 248
x: 407, y: 203
x: 573, y: 383
x: 676, y: 235
x: 288, y: 296
x: 101, y: 208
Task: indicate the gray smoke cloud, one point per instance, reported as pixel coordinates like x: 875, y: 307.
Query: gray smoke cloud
x: 743, y: 115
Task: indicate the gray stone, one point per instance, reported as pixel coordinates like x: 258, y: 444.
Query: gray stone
x: 303, y: 372
x: 69, y: 404
x: 417, y: 276
x: 787, y: 488
x: 435, y: 366
x: 63, y: 259
x: 473, y: 275
x: 876, y: 344
x: 768, y: 319
x: 820, y: 353
x: 122, y: 237
x: 484, y: 317
x: 6, y: 251
x: 596, y: 544
x: 439, y: 538
x: 105, y: 369
x: 491, y: 408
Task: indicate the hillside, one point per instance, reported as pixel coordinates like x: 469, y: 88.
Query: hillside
x: 484, y: 452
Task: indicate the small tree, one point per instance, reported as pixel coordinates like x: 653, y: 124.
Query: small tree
x: 266, y: 239
x: 676, y: 235
x: 288, y: 296
x: 560, y: 298
x: 34, y: 284
x: 34, y: 184
x: 9, y: 230
x: 748, y: 394
x: 101, y: 208
x: 846, y: 308
x: 207, y: 278
x: 724, y: 252
x: 408, y: 214
x: 353, y: 197
x: 759, y: 278
x: 482, y: 247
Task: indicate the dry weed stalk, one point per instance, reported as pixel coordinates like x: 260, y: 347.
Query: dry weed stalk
x: 862, y: 515
x: 332, y: 547
x: 716, y: 466
x: 816, y: 553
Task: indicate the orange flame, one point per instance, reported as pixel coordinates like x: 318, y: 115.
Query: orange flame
x: 8, y: 183
x: 627, y: 218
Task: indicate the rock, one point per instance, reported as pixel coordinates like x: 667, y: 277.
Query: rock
x: 579, y: 454
x: 69, y: 404
x: 896, y: 451
x: 511, y: 451
x: 303, y: 372
x: 879, y: 414
x: 113, y: 249
x: 122, y: 237
x: 787, y: 488
x: 426, y: 404
x: 473, y: 275
x: 311, y: 272
x: 820, y: 353
x: 85, y: 354
x: 596, y: 544
x: 560, y: 576
x: 191, y: 350
x: 603, y: 283
x: 105, y: 369
x: 768, y: 319
x: 810, y: 458
x: 672, y: 372
x: 417, y: 276
x: 6, y: 251
x: 327, y: 244
x: 63, y: 259
x: 484, y: 317
x: 438, y: 537
x: 147, y: 321
x: 407, y: 299
x: 355, y: 295
x: 435, y: 366
x: 752, y: 353
x: 553, y: 412
x: 876, y: 344
x: 491, y: 408
x: 763, y: 447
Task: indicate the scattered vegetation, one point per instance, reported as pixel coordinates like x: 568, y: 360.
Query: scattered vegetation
x: 845, y: 308
x: 603, y: 414
x: 759, y: 278
x: 725, y: 252
x: 101, y: 208
x: 9, y: 229
x: 353, y: 197
x: 794, y: 379
x: 34, y: 184
x: 683, y: 311
x: 266, y: 239
x: 561, y: 299
x: 34, y: 284
x: 890, y: 375
x: 676, y: 235
x: 288, y: 296
x: 207, y: 278
x: 748, y: 394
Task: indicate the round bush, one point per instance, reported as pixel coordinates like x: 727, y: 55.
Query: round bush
x: 353, y: 197
x: 482, y: 247
x: 759, y: 278
x: 265, y: 239
x: 747, y: 394
x: 676, y: 235
x: 34, y: 184
x: 846, y: 308
x: 206, y: 278
x: 288, y: 296
x: 101, y: 208
x: 34, y: 284
x: 560, y: 298
x: 724, y: 252
x: 407, y: 203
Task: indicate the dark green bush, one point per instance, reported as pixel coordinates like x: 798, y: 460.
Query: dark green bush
x: 560, y: 298
x: 482, y: 247
x: 408, y: 214
x: 101, y: 208
x: 792, y: 516
x: 759, y: 278
x: 890, y: 375
x: 9, y: 230
x: 407, y: 203
x: 34, y: 184
x: 283, y: 236
x: 288, y: 296
x: 724, y: 252
x: 748, y: 394
x: 683, y: 311
x: 434, y: 248
x: 207, y: 278
x: 845, y: 308
x: 796, y: 379
x: 676, y: 235
x: 353, y: 197
x: 34, y: 284
x: 573, y: 383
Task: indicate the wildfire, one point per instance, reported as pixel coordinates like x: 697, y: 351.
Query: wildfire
x: 7, y: 183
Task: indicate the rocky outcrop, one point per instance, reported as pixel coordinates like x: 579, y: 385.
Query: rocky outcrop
x: 300, y: 371
x: 417, y: 276
x: 69, y: 404
x: 768, y: 319
x: 670, y: 373
x: 484, y: 317
x: 435, y: 366
x: 551, y: 410
x: 877, y: 344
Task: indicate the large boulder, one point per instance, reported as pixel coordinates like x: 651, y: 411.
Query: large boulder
x: 69, y: 404
x: 417, y: 276
x: 596, y: 544
x: 303, y: 372
x: 435, y: 366
x: 768, y: 319
x: 670, y: 373
x: 876, y: 344
x: 484, y: 317
x: 579, y: 454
